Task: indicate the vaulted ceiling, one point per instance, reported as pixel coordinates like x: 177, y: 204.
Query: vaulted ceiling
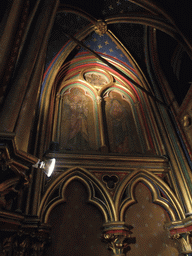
x: 132, y: 23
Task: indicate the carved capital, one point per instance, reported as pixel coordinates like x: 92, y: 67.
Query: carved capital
x: 181, y: 232
x: 118, y: 243
x: 98, y: 100
x: 118, y: 240
x: 184, y: 243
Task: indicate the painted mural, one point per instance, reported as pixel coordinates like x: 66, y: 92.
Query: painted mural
x: 77, y: 131
x: 122, y: 132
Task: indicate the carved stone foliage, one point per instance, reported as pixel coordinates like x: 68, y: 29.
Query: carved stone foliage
x: 117, y: 235
x: 29, y: 244
x: 118, y: 242
x: 24, y: 243
x: 184, y: 243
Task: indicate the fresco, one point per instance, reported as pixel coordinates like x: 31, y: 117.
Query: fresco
x: 77, y: 131
x: 122, y: 132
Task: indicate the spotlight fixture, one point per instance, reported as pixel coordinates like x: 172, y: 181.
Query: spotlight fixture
x: 47, y: 166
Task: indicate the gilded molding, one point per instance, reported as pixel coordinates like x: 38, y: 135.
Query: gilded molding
x: 90, y: 181
x: 95, y: 161
x: 170, y: 203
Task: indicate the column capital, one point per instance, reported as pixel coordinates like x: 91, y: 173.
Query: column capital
x: 118, y: 237
x: 181, y: 232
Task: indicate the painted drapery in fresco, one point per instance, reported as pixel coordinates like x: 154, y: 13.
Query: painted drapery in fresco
x: 121, y: 128
x: 77, y: 131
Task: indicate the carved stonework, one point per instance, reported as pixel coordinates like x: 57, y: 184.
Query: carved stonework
x: 29, y: 243
x: 181, y: 232
x: 24, y: 236
x: 24, y: 243
x: 110, y: 181
x: 186, y: 120
x: 5, y: 188
x: 118, y: 240
x: 6, y: 246
x: 118, y: 243
x: 184, y: 243
x: 14, y: 175
x: 100, y: 27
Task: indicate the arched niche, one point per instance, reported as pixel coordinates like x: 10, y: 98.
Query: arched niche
x: 88, y: 70
x: 97, y: 194
x: 84, y: 111
x: 123, y: 129
x: 76, y: 224
x: 76, y: 119
x: 162, y: 194
x: 148, y: 220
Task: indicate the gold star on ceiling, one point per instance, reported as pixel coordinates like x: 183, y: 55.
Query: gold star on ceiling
x: 121, y: 55
x: 100, y: 46
x: 106, y: 42
x: 94, y: 39
x: 111, y: 50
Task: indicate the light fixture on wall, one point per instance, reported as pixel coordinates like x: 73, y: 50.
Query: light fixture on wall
x: 47, y: 166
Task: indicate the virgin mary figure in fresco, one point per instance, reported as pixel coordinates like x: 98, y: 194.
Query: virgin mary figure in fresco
x: 121, y: 127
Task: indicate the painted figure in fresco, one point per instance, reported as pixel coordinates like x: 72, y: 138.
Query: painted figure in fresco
x: 121, y: 128
x: 77, y: 126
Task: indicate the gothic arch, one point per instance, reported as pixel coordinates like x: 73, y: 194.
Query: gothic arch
x: 162, y: 195
x: 93, y: 186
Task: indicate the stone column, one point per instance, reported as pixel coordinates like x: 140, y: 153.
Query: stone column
x: 101, y: 125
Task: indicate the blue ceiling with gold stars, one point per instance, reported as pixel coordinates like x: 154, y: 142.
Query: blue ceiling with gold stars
x: 104, y: 44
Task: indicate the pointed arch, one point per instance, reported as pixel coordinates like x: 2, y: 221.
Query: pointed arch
x: 157, y: 188
x: 93, y: 186
x: 76, y: 122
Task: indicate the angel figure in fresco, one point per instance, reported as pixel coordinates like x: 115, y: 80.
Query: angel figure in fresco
x: 121, y: 127
x: 75, y: 121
